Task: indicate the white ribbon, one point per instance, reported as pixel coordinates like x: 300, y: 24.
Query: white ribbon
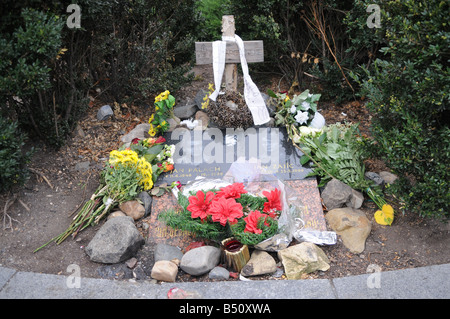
x: 252, y: 96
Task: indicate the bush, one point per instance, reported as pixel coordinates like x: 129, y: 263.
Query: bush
x: 323, y: 40
x: 13, y: 162
x: 408, y: 94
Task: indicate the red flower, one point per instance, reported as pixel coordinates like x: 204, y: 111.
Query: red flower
x: 225, y: 209
x: 160, y: 140
x: 199, y: 205
x: 232, y: 191
x: 252, y: 222
x: 273, y: 203
x: 135, y: 141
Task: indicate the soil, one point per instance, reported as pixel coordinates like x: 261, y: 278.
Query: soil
x: 59, y: 184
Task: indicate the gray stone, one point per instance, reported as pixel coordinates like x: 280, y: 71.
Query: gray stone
x: 199, y: 261
x: 198, y: 100
x: 219, y: 273
x: 303, y: 258
x: 82, y: 166
x: 260, y: 263
x: 336, y: 194
x: 116, y: 241
x: 140, y: 132
x: 375, y: 178
x: 185, y: 112
x: 352, y: 225
x: 173, y: 123
x: 356, y: 199
x: 270, y: 104
x: 147, y: 201
x: 388, y: 177
x: 104, y: 113
x: 167, y: 252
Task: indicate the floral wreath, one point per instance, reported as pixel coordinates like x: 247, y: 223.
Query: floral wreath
x: 229, y: 211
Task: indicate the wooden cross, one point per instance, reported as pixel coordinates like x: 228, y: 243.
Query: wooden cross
x: 254, y: 52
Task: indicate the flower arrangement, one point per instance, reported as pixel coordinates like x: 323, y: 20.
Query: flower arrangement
x: 229, y: 211
x: 164, y: 104
x: 335, y: 153
x: 296, y: 111
x: 128, y: 171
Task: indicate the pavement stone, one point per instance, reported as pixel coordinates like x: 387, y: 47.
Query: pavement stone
x: 416, y: 283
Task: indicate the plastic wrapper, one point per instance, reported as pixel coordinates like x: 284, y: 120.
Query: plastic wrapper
x: 316, y: 237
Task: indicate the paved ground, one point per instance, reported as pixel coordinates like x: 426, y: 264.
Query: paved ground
x: 415, y: 283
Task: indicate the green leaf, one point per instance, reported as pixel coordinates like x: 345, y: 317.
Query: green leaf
x: 271, y: 94
x: 304, y: 159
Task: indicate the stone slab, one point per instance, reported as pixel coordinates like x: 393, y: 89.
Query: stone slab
x: 211, y: 153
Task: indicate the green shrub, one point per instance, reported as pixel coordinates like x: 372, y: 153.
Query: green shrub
x: 408, y: 94
x: 13, y: 171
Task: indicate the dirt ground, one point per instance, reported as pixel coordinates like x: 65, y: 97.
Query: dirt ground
x: 43, y: 208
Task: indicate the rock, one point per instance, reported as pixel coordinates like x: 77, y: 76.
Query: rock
x: 375, y: 178
x: 140, y: 132
x: 260, y: 263
x: 303, y: 258
x: 133, y: 208
x: 147, y: 200
x: 202, y: 118
x: 82, y: 166
x: 352, y: 225
x: 356, y: 199
x: 167, y: 252
x: 230, y: 104
x: 131, y: 263
x: 104, y: 113
x: 270, y: 104
x: 173, y: 123
x: 116, y: 213
x: 185, y: 112
x: 198, y: 100
x: 219, y: 273
x: 200, y: 260
x: 336, y: 194
x: 164, y: 270
x: 388, y: 177
x: 116, y: 241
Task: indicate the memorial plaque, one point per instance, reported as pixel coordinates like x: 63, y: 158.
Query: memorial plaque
x: 210, y: 153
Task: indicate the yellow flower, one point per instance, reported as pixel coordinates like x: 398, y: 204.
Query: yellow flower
x: 125, y: 157
x: 152, y: 130
x: 286, y: 99
x: 151, y: 118
x: 211, y: 87
x: 144, y: 169
x: 385, y: 216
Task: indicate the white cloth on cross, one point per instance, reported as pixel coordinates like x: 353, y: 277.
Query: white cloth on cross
x: 252, y: 96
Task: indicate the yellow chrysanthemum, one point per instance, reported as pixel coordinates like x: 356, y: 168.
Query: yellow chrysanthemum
x: 144, y: 169
x: 125, y: 157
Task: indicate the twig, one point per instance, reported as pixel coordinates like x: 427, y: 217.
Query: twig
x: 41, y: 175
x: 8, y: 204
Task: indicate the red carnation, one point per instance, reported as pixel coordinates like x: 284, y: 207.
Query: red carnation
x: 160, y: 140
x: 232, y: 191
x: 199, y: 205
x: 252, y: 222
x: 225, y: 209
x: 273, y: 203
x: 135, y: 141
